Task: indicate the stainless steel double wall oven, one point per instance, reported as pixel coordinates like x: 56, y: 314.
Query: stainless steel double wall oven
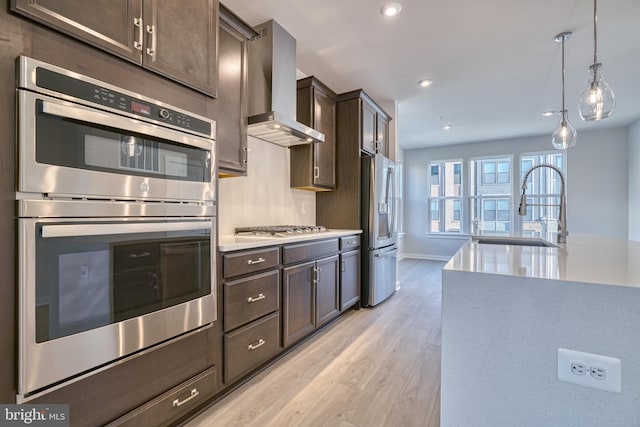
x: 116, y: 224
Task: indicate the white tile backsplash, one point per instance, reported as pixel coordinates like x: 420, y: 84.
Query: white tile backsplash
x: 263, y: 197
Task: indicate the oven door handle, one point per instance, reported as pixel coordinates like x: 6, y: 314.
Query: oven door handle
x: 72, y: 230
x: 92, y: 116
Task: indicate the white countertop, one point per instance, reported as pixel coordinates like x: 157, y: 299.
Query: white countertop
x: 584, y: 258
x: 234, y: 243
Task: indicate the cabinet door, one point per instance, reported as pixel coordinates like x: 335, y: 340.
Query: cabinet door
x: 232, y: 101
x: 112, y: 25
x: 349, y: 279
x: 299, y: 302
x: 368, y: 143
x: 327, y: 290
x: 181, y: 42
x: 324, y: 169
x: 382, y: 132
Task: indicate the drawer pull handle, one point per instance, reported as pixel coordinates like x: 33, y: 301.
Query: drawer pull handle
x: 352, y: 242
x: 258, y: 298
x: 256, y: 261
x: 140, y: 255
x: 178, y: 403
x: 260, y: 343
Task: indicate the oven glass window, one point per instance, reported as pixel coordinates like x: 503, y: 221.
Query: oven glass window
x: 86, y: 282
x: 76, y: 144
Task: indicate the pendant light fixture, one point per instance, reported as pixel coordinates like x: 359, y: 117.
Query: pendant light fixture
x: 565, y: 135
x: 597, y: 101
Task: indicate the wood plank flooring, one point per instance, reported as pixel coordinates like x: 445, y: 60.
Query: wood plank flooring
x: 372, y: 367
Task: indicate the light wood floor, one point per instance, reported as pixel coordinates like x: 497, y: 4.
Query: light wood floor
x: 373, y: 367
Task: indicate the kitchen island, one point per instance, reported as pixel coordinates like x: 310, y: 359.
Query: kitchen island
x: 507, y: 309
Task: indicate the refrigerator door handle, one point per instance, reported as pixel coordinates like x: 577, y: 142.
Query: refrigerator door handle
x: 390, y: 218
x: 393, y: 204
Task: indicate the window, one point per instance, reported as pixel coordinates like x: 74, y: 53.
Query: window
x: 493, y: 190
x: 490, y: 194
x: 445, y: 197
x: 496, y: 172
x: 543, y: 188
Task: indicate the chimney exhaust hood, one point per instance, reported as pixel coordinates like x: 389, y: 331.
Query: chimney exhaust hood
x: 272, y: 89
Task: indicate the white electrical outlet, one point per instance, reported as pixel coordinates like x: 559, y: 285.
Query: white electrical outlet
x: 590, y: 370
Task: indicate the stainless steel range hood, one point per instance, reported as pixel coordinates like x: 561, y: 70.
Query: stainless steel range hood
x: 272, y: 89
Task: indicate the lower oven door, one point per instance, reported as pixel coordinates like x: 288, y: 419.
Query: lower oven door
x: 94, y: 291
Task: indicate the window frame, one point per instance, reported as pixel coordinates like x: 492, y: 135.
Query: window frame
x: 442, y: 198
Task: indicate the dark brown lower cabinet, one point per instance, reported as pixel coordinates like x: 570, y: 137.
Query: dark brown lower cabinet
x: 327, y: 290
x: 134, y: 387
x: 247, y: 347
x: 349, y: 279
x: 173, y: 404
x: 251, y: 312
x: 298, y: 303
x: 310, y: 297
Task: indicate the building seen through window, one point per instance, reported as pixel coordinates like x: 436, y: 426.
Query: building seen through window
x: 493, y: 189
x: 445, y: 197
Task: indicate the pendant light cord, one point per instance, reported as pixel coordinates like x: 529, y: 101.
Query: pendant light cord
x: 595, y: 31
x: 563, y: 109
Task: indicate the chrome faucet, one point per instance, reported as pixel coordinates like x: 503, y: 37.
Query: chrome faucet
x: 562, y: 219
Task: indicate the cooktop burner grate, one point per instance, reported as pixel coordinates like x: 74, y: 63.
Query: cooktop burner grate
x: 279, y: 230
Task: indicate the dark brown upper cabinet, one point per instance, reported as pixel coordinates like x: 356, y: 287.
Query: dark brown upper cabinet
x: 233, y: 44
x: 166, y: 37
x: 313, y: 166
x: 373, y: 122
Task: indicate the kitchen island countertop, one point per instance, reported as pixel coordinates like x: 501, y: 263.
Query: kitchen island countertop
x: 584, y: 258
x: 234, y: 243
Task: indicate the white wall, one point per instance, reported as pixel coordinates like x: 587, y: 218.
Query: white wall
x: 634, y: 181
x: 263, y: 197
x: 597, y: 186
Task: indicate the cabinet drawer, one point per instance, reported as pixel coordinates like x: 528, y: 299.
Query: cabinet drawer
x: 251, y: 345
x: 236, y: 264
x: 306, y: 251
x: 250, y: 298
x: 349, y: 243
x: 173, y: 404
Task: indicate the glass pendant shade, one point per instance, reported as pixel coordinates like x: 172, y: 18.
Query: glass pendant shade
x: 598, y: 100
x: 565, y: 135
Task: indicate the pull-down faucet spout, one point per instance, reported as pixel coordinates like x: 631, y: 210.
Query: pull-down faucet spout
x: 562, y: 219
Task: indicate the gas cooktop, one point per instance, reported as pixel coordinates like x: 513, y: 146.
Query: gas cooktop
x: 279, y: 230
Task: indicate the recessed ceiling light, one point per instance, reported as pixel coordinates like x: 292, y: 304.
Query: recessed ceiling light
x: 446, y: 127
x: 425, y: 82
x: 549, y: 113
x: 390, y: 9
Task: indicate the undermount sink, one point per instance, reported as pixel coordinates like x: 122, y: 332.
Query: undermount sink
x: 516, y: 241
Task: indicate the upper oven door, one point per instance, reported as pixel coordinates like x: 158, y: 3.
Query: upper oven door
x: 72, y: 150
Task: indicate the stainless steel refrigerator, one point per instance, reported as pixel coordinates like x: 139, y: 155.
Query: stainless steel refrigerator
x: 379, y: 248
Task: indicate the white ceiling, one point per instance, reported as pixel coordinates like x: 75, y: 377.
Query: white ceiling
x: 494, y: 63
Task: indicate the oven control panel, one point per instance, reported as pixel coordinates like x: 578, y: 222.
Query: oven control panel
x: 103, y: 96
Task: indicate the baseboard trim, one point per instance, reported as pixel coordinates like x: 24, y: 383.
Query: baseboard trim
x: 426, y: 257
